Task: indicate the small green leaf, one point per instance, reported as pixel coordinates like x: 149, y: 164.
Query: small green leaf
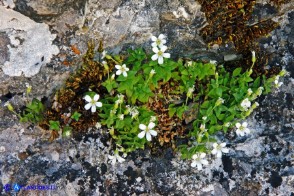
x: 76, y: 116
x: 54, y: 125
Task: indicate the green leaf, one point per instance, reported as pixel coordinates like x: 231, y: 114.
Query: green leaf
x: 54, y: 125
x: 76, y: 116
x: 237, y: 71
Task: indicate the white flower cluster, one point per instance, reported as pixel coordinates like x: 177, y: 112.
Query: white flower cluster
x: 133, y: 111
x: 199, y: 159
x: 159, y: 48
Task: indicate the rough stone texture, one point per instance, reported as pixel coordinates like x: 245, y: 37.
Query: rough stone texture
x: 258, y: 164
x: 30, y: 44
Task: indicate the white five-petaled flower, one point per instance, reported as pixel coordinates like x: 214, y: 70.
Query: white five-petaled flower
x: 122, y: 69
x: 159, y: 54
x: 115, y: 158
x: 204, y: 117
x: 245, y: 104
x: 199, y: 160
x: 242, y: 129
x: 218, y: 149
x: 92, y: 102
x: 160, y: 41
x: 147, y: 130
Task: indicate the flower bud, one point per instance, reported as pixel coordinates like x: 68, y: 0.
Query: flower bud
x: 253, y: 57
x: 9, y: 106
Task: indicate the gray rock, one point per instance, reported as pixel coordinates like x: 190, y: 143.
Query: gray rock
x: 30, y: 44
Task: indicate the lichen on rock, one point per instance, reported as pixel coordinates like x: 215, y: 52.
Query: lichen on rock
x: 30, y: 44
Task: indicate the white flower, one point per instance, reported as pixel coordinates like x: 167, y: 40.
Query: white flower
x: 121, y: 116
x: 160, y: 41
x: 245, y: 104
x: 159, y: 54
x: 115, y: 158
x: 278, y: 84
x: 242, y: 129
x: 219, y: 101
x: 199, y: 160
x: 218, y: 149
x: 148, y: 130
x: 204, y: 117
x: 122, y: 70
x: 92, y: 103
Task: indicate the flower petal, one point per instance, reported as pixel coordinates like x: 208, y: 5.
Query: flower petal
x: 204, y: 162
x: 155, y: 50
x: 193, y: 164
x: 161, y: 36
x: 87, y: 106
x: 125, y: 74
x: 199, y: 166
x: 148, y: 136
x: 153, y: 44
x: 214, y: 151
x: 195, y: 156
x: 225, y: 150
x: 202, y: 155
x: 154, y: 57
x: 219, y: 154
x: 96, y: 97
x: 99, y: 104
x: 244, y: 124
x: 117, y: 66
x: 152, y: 132
x: 142, y: 127
x: 118, y: 72
x: 163, y: 48
x: 214, y: 145
x: 88, y: 98
x: 160, y: 60
x: 141, y: 135
x: 223, y: 145
x: 120, y: 159
x: 166, y: 55
x: 93, y: 109
x: 153, y: 38
x: 151, y: 125
x: 238, y: 125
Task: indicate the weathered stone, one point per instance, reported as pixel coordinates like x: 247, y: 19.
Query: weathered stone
x: 30, y: 44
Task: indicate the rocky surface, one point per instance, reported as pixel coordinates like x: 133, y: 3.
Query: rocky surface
x: 259, y: 164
